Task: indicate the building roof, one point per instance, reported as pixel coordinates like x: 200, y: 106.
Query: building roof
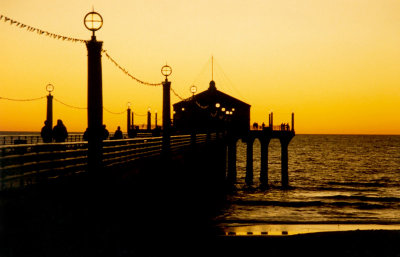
x: 211, y: 96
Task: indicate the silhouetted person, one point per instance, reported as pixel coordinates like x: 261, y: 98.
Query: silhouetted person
x: 86, y: 135
x: 105, y: 132
x: 255, y: 125
x: 263, y: 125
x: 60, y: 133
x: 118, y: 133
x: 46, y: 132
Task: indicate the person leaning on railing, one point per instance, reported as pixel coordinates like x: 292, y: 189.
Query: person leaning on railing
x: 60, y: 132
x: 46, y: 132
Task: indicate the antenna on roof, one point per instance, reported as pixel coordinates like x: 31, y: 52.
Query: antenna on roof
x: 212, y: 67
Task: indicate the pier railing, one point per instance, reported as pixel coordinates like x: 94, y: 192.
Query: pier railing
x: 33, y: 139
x: 22, y: 165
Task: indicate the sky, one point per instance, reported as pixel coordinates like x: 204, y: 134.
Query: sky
x: 334, y: 63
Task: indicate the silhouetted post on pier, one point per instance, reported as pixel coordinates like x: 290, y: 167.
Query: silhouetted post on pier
x: 271, y: 121
x: 166, y: 118
x: 292, y: 121
x: 155, y: 119
x: 148, y: 119
x: 128, y: 128
x: 93, y: 21
x: 49, y: 113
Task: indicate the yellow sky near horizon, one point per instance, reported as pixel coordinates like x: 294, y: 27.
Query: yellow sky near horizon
x: 334, y: 63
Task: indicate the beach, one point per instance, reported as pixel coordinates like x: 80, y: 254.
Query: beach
x: 339, y: 243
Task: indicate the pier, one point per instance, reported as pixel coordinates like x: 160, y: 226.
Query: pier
x: 100, y: 194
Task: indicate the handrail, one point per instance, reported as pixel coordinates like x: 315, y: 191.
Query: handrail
x: 33, y: 139
x: 21, y: 165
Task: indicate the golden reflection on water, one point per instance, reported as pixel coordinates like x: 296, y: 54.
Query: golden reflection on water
x: 292, y: 229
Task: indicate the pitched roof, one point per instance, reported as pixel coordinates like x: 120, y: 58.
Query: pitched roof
x: 212, y: 95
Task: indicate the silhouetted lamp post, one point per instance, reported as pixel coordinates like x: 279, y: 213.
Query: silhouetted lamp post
x: 155, y: 119
x: 128, y: 118
x: 193, y: 90
x: 166, y: 119
x: 148, y: 119
x: 93, y: 22
x: 49, y: 113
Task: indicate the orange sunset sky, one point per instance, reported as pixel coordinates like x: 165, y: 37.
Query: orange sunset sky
x: 334, y: 63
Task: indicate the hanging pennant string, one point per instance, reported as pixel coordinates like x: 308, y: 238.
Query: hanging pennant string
x: 116, y: 113
x: 57, y: 36
x: 22, y: 100
x: 127, y: 72
x: 39, y: 31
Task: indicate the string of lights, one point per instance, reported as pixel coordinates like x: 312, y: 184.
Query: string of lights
x: 68, y: 105
x: 202, y: 106
x: 22, y: 100
x: 127, y: 72
x: 116, y: 113
x: 176, y: 94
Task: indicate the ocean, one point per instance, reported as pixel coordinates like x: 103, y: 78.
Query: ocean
x: 337, y: 182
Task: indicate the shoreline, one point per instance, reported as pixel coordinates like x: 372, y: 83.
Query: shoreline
x: 299, y: 228
x: 334, y: 243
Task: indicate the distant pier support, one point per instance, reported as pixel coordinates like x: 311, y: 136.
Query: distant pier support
x: 284, y: 160
x: 232, y: 161
x: 264, y: 162
x: 249, y: 161
x: 284, y: 135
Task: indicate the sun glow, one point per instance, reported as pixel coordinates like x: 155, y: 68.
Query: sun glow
x: 335, y: 64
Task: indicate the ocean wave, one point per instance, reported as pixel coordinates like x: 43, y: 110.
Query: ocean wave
x: 299, y: 204
x: 356, y: 184
x: 278, y: 203
x: 364, y: 198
